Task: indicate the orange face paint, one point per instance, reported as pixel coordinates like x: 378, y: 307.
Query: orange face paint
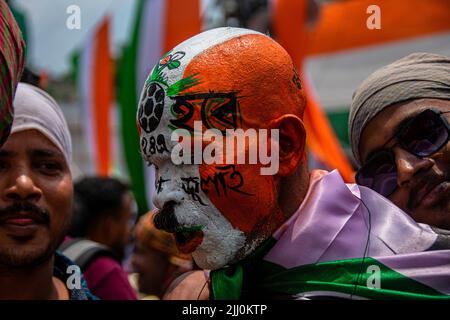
x: 227, y: 79
x: 261, y: 81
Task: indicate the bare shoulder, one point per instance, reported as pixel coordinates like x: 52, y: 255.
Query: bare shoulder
x: 192, y: 285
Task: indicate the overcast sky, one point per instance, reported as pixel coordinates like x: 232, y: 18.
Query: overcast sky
x: 51, y: 42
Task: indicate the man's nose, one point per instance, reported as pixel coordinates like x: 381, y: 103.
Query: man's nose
x: 22, y: 188
x: 169, y: 189
x: 161, y: 198
x: 409, y: 165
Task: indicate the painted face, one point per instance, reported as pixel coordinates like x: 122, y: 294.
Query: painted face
x: 423, y: 183
x: 225, y: 78
x: 36, y: 199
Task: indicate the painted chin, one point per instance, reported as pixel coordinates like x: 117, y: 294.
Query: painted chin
x: 208, y: 260
x: 188, y: 241
x: 210, y: 237
x: 218, y: 250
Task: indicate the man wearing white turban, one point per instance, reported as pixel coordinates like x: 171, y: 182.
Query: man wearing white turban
x: 36, y: 202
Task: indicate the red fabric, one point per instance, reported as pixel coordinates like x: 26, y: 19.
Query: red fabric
x: 107, y: 280
x: 12, y: 55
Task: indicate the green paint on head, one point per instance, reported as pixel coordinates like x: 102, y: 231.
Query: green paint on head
x: 157, y: 76
x: 190, y: 229
x: 171, y: 61
x: 182, y: 85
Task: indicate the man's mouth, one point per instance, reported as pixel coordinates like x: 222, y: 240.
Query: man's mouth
x: 188, y: 238
x: 430, y: 194
x: 22, y: 224
x: 22, y: 218
x: 20, y: 221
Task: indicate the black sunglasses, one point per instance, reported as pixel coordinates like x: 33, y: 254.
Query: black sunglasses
x: 421, y: 136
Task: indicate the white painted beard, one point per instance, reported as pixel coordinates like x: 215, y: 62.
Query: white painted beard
x: 221, y: 242
x: 218, y: 253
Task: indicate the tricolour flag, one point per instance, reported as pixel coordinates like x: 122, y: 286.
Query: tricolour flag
x: 368, y: 249
x: 344, y: 241
x: 159, y: 25
x: 95, y: 82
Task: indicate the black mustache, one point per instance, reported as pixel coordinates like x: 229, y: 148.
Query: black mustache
x: 38, y: 214
x: 165, y: 219
x: 429, y: 180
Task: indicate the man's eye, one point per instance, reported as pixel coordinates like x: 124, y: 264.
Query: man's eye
x: 50, y: 167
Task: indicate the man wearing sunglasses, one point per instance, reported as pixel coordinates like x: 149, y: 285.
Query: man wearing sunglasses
x: 399, y: 130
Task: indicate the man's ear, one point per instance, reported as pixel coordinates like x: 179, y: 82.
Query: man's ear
x: 292, y: 136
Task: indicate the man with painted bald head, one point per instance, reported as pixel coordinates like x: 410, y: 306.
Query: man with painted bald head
x: 220, y: 118
x: 400, y: 134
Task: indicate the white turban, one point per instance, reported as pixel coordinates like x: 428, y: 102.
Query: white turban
x: 36, y: 109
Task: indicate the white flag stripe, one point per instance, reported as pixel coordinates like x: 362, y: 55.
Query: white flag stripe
x: 336, y: 76
x: 86, y: 86
x: 151, y: 38
x: 432, y: 268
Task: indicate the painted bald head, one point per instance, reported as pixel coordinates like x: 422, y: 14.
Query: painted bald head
x: 219, y: 194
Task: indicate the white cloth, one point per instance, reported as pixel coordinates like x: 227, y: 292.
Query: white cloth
x: 36, y: 109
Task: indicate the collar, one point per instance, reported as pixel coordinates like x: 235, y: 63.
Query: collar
x: 64, y: 270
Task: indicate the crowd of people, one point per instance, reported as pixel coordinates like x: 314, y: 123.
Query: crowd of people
x: 225, y: 230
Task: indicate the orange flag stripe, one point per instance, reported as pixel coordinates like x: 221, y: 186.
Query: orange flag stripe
x: 289, y: 18
x: 182, y: 21
x: 290, y: 15
x: 321, y: 138
x: 342, y: 25
x: 102, y: 97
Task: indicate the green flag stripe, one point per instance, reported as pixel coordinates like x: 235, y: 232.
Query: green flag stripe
x: 345, y: 276
x: 339, y: 122
x: 128, y: 102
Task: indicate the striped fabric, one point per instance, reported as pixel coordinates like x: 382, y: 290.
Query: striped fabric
x: 12, y: 55
x: 344, y: 241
